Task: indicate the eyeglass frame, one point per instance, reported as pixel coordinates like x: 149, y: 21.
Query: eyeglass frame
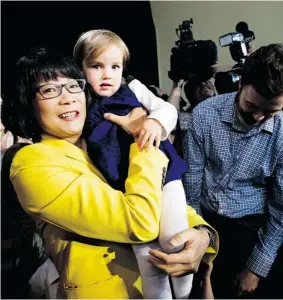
x: 61, y: 88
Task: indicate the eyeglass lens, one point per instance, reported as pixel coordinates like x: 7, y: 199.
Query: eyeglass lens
x: 54, y: 90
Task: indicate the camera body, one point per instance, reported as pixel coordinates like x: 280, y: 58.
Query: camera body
x: 239, y: 43
x: 190, y: 57
x: 227, y: 82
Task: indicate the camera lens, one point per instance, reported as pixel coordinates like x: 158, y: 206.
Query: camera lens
x: 235, y: 77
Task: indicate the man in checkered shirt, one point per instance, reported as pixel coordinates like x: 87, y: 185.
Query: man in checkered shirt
x: 235, y: 175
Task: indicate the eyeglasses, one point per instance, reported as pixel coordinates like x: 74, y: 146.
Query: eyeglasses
x: 49, y: 91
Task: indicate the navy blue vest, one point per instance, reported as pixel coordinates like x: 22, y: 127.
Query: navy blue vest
x: 108, y: 145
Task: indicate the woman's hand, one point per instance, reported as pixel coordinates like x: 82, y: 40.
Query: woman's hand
x: 131, y: 123
x: 187, y: 260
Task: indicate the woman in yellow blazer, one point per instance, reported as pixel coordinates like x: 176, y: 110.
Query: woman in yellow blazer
x: 87, y: 226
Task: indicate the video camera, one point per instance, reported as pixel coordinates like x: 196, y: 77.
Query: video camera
x: 190, y: 57
x: 239, y: 46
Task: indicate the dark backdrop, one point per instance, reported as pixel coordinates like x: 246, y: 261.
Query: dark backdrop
x: 58, y: 24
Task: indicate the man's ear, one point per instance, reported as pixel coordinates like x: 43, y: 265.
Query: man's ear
x: 240, y: 84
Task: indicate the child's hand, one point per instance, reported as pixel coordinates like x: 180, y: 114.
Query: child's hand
x: 151, y: 131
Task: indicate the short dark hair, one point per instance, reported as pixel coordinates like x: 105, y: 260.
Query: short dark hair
x: 17, y: 107
x: 263, y: 69
x: 194, y: 83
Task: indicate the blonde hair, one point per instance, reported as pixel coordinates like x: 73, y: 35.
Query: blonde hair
x: 93, y: 42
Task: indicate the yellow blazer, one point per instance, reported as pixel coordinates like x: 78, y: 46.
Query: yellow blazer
x: 88, y: 226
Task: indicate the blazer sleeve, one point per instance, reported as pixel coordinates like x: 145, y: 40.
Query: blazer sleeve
x: 195, y: 220
x: 158, y: 109
x: 85, y: 204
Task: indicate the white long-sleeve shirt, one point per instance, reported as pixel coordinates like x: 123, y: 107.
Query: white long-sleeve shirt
x: 158, y: 109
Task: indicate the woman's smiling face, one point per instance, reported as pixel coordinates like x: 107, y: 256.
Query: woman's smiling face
x: 62, y: 116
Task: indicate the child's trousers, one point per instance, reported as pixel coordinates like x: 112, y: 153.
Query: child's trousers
x: 174, y: 219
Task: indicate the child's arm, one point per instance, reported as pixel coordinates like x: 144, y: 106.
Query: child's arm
x: 206, y: 288
x: 164, y: 112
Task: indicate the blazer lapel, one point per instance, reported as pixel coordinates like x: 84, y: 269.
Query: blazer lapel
x: 72, y: 151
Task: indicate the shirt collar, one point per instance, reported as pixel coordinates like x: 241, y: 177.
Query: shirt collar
x: 228, y: 112
x: 52, y: 273
x: 229, y: 115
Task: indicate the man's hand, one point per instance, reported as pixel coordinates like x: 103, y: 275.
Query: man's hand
x: 131, y: 123
x: 150, y: 131
x: 160, y: 92
x: 187, y: 260
x: 178, y: 84
x: 246, y: 282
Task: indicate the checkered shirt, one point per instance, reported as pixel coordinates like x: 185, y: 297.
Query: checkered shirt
x: 228, y: 167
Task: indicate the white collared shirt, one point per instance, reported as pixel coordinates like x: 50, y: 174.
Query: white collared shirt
x: 44, y: 282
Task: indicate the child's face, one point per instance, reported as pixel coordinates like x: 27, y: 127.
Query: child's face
x: 104, y: 73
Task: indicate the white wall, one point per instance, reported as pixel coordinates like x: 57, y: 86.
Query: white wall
x: 211, y: 20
